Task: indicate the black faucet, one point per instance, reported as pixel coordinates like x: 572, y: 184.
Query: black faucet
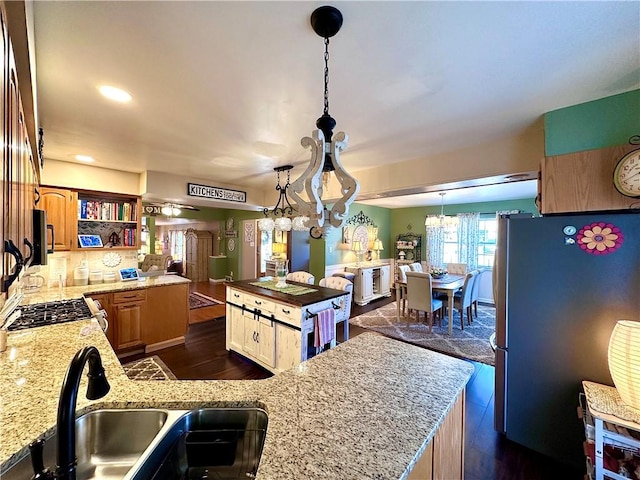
x: 98, y: 387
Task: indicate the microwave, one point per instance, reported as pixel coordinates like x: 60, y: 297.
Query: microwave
x: 40, y: 227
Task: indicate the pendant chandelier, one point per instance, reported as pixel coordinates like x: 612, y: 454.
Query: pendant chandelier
x: 441, y: 221
x: 282, y: 216
x: 325, y: 148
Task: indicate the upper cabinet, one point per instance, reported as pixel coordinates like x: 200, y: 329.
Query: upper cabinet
x: 115, y: 218
x: 583, y: 182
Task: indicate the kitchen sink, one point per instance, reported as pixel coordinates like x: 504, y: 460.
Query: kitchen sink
x: 215, y: 443
x: 146, y: 444
x: 108, y: 444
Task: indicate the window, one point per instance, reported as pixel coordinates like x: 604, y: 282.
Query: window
x: 487, y: 238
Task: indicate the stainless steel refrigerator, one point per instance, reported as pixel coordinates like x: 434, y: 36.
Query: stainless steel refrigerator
x: 560, y: 285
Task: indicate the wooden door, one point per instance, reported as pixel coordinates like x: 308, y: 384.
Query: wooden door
x: 59, y: 204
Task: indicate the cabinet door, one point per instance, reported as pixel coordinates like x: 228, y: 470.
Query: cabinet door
x: 385, y: 279
x: 266, y: 342
x: 128, y: 325
x: 288, y: 341
x: 250, y: 345
x: 166, y: 314
x: 367, y: 284
x: 235, y: 328
x: 59, y: 204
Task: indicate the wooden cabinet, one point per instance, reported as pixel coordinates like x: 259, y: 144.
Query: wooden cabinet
x: 59, y: 203
x: 443, y: 459
x: 370, y: 282
x: 198, y: 248
x: 128, y: 315
x: 115, y: 218
x: 583, y: 182
x: 19, y: 170
x: 166, y: 316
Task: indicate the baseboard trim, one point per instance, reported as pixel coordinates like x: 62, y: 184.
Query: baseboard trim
x: 165, y: 344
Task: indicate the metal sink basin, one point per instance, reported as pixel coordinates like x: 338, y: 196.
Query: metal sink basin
x: 220, y: 443
x: 108, y: 444
x: 146, y: 444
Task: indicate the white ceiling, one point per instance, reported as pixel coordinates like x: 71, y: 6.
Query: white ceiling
x: 225, y: 90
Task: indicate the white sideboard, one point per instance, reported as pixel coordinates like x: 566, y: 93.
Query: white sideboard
x: 371, y: 281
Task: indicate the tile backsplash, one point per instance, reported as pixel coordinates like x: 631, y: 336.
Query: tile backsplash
x: 63, y: 263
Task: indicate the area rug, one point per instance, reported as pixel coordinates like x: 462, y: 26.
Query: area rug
x: 150, y: 368
x: 198, y: 300
x: 472, y: 343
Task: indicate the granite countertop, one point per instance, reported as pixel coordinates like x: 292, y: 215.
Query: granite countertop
x: 365, y: 409
x: 54, y: 293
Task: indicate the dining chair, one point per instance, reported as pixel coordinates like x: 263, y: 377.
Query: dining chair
x: 302, y: 277
x: 457, y: 268
x: 462, y: 299
x: 402, y: 277
x: 420, y: 298
x: 343, y: 314
x: 416, y: 267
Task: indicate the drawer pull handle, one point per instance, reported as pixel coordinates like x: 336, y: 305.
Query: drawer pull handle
x: 258, y: 302
x: 286, y: 311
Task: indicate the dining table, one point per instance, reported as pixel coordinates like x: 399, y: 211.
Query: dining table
x: 448, y: 284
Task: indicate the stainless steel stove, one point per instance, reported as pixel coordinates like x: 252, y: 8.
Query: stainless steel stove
x: 41, y: 314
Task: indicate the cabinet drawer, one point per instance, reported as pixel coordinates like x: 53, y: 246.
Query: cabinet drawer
x: 260, y: 303
x: 235, y: 296
x: 130, y: 296
x: 288, y: 314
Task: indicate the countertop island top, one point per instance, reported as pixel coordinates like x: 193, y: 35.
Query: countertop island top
x: 365, y: 409
x: 318, y: 294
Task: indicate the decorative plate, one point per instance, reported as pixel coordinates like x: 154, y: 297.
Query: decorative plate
x: 361, y: 233
x: 231, y: 244
x: 111, y: 259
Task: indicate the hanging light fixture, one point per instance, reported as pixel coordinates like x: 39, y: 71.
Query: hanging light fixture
x: 325, y: 148
x: 280, y: 217
x: 170, y: 211
x: 441, y: 221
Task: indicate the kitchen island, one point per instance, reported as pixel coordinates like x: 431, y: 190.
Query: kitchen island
x: 372, y: 407
x: 274, y: 326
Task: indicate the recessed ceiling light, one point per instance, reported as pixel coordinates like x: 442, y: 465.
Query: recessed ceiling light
x: 85, y: 158
x: 115, y: 94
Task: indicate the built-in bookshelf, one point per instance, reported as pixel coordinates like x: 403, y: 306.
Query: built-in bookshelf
x: 115, y: 218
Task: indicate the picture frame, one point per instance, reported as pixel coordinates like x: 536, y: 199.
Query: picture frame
x: 90, y: 241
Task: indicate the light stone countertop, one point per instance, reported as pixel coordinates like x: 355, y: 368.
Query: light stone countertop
x: 363, y: 410
x: 54, y: 293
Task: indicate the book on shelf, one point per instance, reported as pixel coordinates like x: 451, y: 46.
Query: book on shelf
x: 106, y: 211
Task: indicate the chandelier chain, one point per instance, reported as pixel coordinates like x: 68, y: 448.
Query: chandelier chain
x: 326, y: 76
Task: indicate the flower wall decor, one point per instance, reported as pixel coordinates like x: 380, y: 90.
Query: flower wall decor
x: 600, y: 238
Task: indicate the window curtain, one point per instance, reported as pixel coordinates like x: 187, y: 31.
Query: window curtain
x: 435, y: 247
x: 468, y: 232
x: 176, y: 244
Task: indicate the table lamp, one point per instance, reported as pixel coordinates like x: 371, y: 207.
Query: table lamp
x: 624, y: 361
x: 356, y: 246
x: 377, y: 246
x: 278, y: 249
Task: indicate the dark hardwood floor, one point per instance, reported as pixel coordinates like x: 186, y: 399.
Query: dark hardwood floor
x: 488, y: 455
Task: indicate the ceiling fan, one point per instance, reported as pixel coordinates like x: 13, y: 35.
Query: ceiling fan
x: 168, y: 209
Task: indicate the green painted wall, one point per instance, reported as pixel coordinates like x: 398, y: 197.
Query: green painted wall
x: 405, y: 220
x: 600, y: 123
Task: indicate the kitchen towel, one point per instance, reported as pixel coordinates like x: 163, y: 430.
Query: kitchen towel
x: 325, y: 327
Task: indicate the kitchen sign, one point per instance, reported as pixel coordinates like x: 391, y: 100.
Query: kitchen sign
x: 217, y: 193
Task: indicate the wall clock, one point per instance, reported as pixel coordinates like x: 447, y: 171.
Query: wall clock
x: 626, y: 176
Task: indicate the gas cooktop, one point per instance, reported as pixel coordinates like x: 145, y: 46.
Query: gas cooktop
x: 41, y: 314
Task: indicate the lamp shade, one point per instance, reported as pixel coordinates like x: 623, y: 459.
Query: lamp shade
x: 377, y: 245
x: 356, y: 246
x: 278, y: 247
x: 624, y: 361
